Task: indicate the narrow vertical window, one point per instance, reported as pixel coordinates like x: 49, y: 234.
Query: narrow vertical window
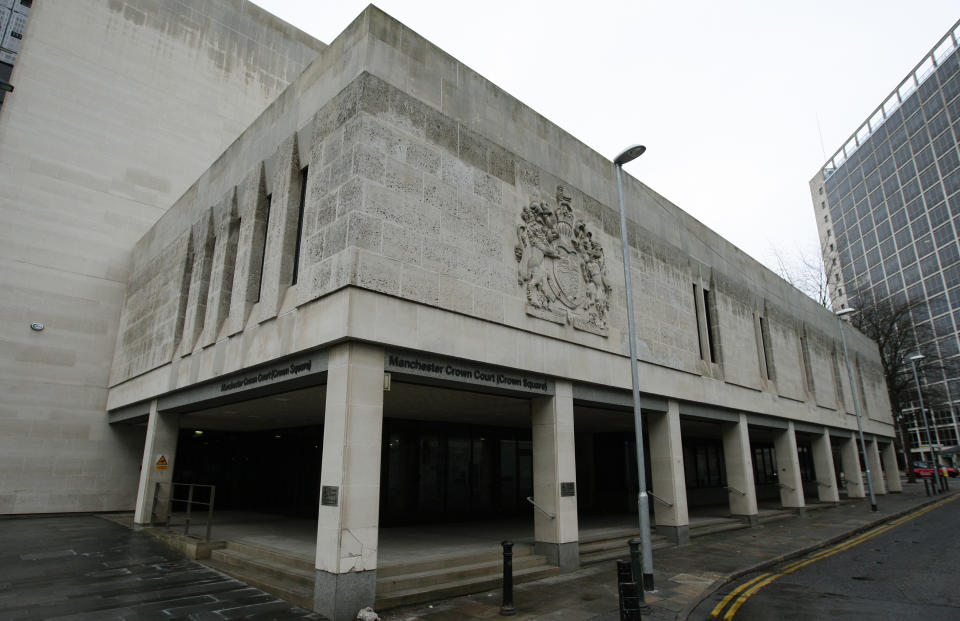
x: 710, y: 327
x: 263, y: 254
x: 807, y: 363
x: 696, y: 317
x: 767, y: 349
x: 303, y: 200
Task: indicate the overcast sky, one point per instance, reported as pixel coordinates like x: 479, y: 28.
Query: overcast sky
x: 730, y: 98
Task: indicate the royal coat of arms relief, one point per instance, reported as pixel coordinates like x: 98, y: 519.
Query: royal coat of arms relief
x: 561, y: 267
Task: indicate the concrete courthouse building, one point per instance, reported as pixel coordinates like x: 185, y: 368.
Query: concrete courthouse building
x: 383, y: 293
x: 888, y: 212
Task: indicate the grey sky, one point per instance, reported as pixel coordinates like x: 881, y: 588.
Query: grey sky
x: 725, y: 95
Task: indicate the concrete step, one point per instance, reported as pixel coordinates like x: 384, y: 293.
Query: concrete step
x: 718, y: 527
x: 428, y: 578
x: 461, y: 587
x: 439, y: 562
x: 293, y: 592
x: 286, y: 558
x: 269, y: 567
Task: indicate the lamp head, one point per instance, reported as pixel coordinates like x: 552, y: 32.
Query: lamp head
x: 917, y: 357
x: 630, y: 154
x: 845, y: 311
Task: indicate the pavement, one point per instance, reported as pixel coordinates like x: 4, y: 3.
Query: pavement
x: 683, y: 575
x: 85, y: 567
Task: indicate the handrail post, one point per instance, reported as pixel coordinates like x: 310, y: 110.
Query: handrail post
x: 213, y: 489
x: 186, y: 525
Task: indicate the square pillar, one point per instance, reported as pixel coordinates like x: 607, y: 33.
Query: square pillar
x: 666, y: 472
x: 823, y: 466
x: 555, y: 477
x: 159, y: 451
x: 348, y: 518
x: 788, y: 469
x: 876, y: 470
x: 891, y: 468
x: 850, y: 461
x: 736, y: 456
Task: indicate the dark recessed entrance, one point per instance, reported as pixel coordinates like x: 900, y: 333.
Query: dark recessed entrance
x: 446, y: 472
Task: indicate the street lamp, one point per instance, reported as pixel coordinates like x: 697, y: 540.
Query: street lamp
x: 643, y: 502
x: 856, y: 405
x: 936, y: 468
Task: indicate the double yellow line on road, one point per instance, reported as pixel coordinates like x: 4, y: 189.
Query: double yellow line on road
x: 737, y: 597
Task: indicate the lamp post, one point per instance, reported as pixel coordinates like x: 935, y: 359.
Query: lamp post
x: 926, y: 425
x: 856, y: 405
x: 643, y: 501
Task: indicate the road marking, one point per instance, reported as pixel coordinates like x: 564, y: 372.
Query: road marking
x: 745, y: 591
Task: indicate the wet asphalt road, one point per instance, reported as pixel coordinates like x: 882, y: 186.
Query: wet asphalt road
x: 909, y: 570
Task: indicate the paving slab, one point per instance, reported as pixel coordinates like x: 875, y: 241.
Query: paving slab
x: 82, y: 567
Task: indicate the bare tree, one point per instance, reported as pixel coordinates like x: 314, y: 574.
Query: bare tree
x: 804, y: 270
x: 890, y: 324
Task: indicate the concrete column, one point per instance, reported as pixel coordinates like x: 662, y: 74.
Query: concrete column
x: 666, y: 471
x: 159, y: 451
x: 823, y: 466
x: 554, y: 477
x: 788, y: 469
x: 851, y: 467
x: 892, y: 469
x: 736, y: 456
x: 876, y: 470
x: 348, y: 519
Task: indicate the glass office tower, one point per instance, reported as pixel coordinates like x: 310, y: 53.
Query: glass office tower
x: 888, y: 212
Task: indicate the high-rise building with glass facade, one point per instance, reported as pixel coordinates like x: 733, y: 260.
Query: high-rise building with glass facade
x: 888, y: 212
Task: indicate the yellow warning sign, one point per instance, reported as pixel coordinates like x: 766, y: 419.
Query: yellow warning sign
x: 162, y: 463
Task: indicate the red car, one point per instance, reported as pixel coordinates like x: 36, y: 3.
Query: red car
x: 925, y: 469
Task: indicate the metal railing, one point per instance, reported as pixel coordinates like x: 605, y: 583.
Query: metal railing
x: 190, y: 501
x: 785, y: 486
x: 542, y: 510
x: 655, y: 497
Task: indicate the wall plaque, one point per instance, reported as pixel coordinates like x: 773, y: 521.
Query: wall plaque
x: 328, y: 495
x: 568, y: 488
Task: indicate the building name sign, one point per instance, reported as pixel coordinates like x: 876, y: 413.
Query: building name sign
x: 453, y: 370
x: 268, y: 376
x: 277, y: 373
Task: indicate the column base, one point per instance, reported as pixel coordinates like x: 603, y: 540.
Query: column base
x: 339, y: 597
x: 798, y: 511
x: 750, y: 520
x: 565, y: 555
x: 675, y: 534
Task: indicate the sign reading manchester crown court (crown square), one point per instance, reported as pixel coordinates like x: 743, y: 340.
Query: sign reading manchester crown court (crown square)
x: 454, y: 370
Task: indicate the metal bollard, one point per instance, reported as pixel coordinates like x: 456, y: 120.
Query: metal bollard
x: 630, y: 603
x: 926, y: 486
x: 506, y: 608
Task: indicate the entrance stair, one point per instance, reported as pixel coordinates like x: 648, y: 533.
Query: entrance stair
x: 417, y: 582
x: 282, y: 574
x: 610, y: 546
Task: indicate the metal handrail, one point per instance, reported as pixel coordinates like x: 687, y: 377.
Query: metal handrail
x: 655, y: 497
x: 733, y: 489
x: 542, y: 510
x: 785, y: 486
x: 190, y: 502
x: 827, y: 485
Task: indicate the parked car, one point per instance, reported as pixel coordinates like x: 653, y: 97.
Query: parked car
x: 925, y: 469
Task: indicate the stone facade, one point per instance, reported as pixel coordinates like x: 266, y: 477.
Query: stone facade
x: 119, y: 106
x: 405, y: 197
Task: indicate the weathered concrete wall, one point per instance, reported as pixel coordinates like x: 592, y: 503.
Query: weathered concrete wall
x: 420, y: 220
x: 119, y: 106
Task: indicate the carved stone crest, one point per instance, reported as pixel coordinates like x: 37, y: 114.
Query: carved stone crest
x: 561, y: 267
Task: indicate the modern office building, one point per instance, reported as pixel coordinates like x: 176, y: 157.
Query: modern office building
x: 888, y: 211
x: 392, y: 298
